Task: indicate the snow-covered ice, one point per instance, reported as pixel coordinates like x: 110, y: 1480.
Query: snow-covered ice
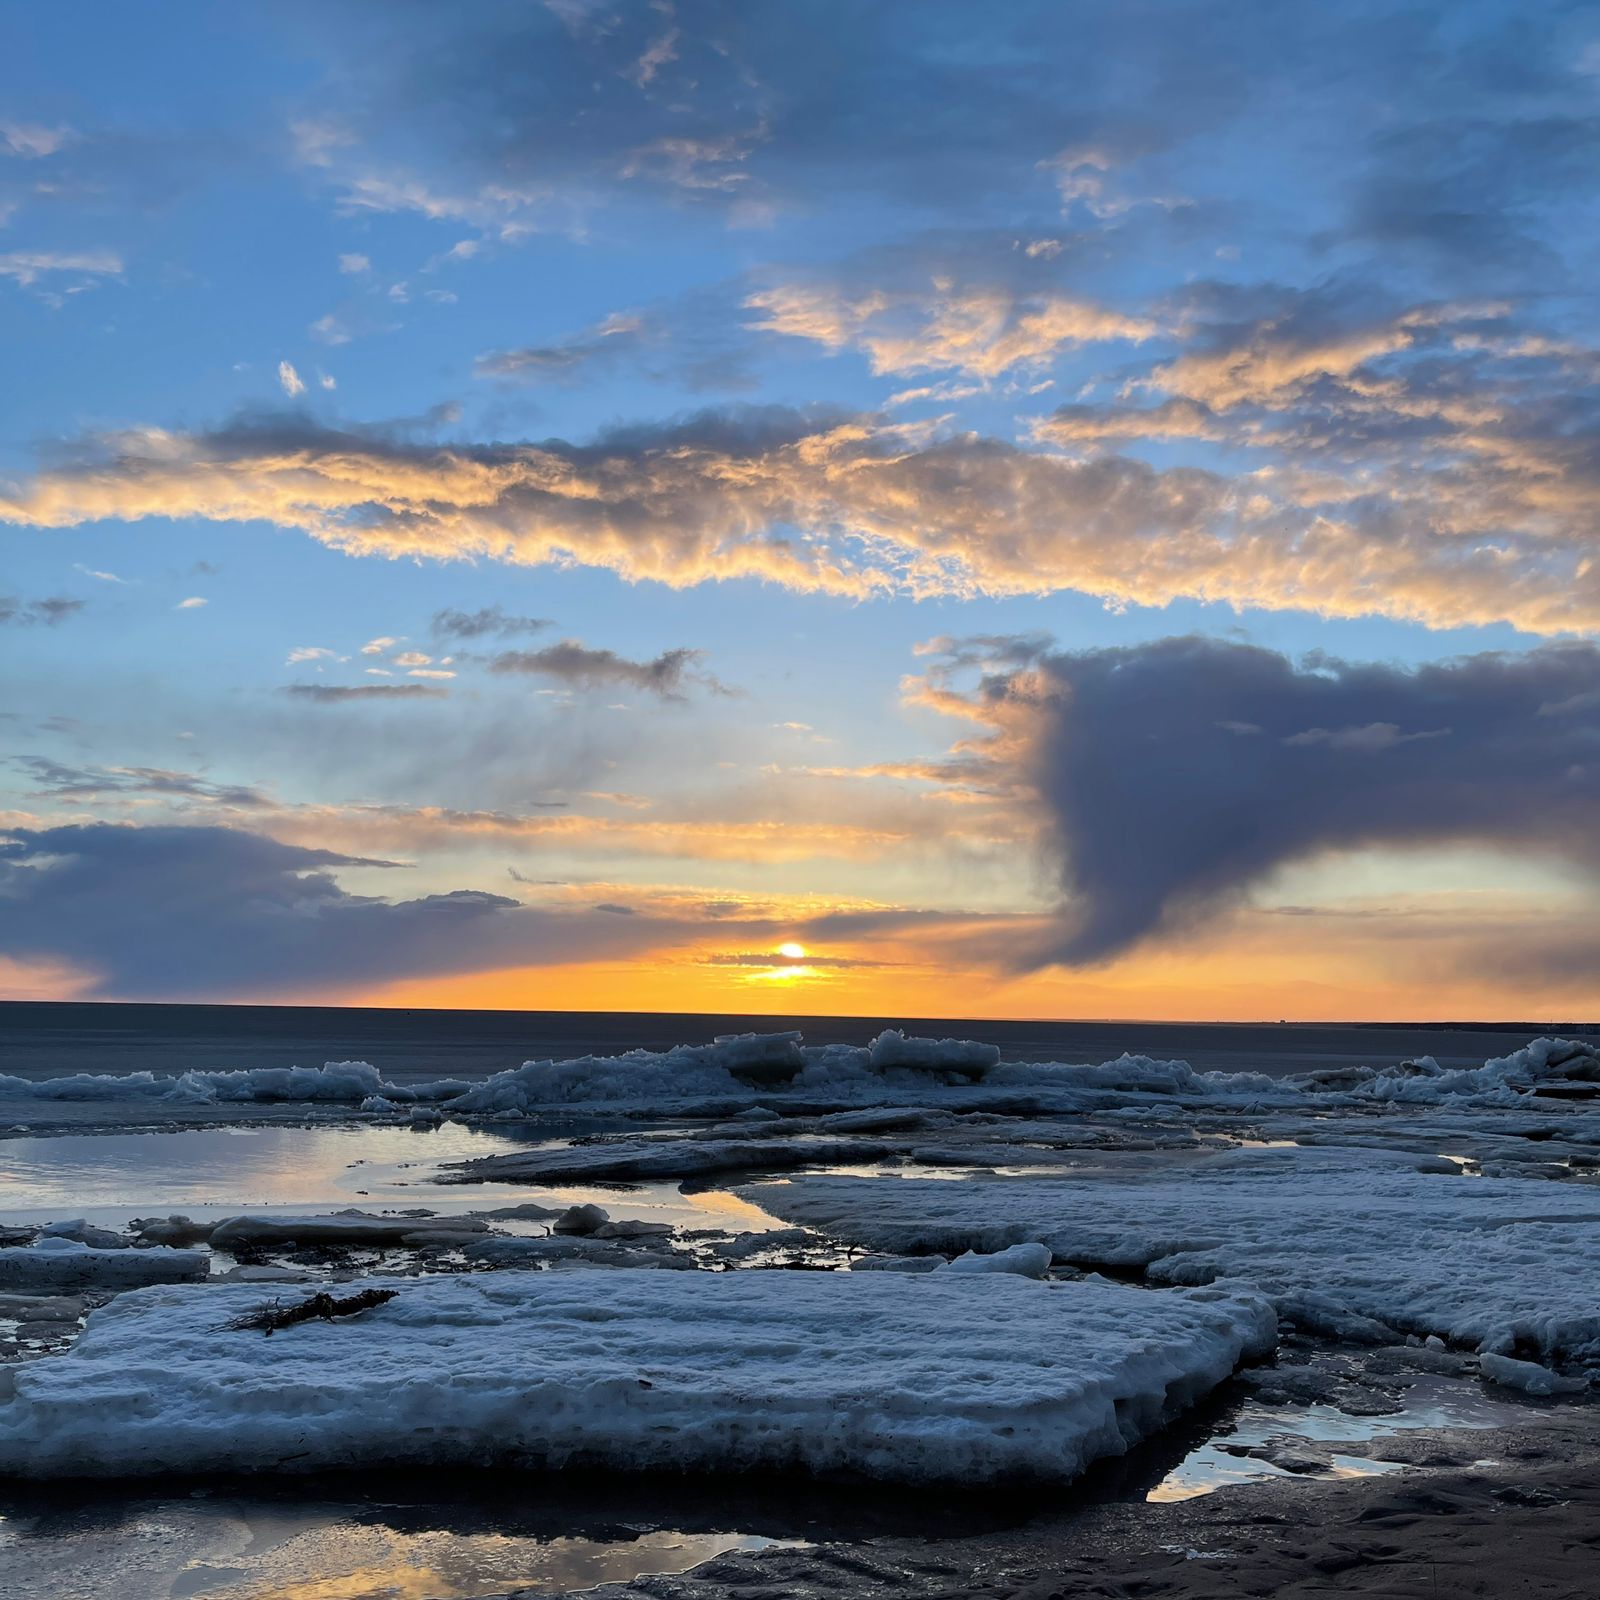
x: 1350, y: 1242
x: 911, y: 1378
x: 634, y: 1159
x: 733, y: 1073
x: 1026, y: 1260
x: 52, y: 1264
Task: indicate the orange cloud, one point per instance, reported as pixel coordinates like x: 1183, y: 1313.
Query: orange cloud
x: 883, y: 509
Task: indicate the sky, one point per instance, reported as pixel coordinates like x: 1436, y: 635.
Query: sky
x: 1050, y: 510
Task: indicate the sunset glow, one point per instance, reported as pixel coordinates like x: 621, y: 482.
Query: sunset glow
x: 543, y: 511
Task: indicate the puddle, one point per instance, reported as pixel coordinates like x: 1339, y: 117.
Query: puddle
x: 1210, y: 1468
x: 206, y: 1172
x: 234, y: 1549
x: 1220, y: 1461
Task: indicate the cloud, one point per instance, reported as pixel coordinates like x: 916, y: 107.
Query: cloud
x: 62, y: 782
x: 620, y: 334
x: 32, y: 140
x: 176, y: 913
x: 48, y: 611
x: 983, y: 330
x: 354, y: 263
x: 310, y: 652
x: 883, y: 508
x: 1174, y: 776
x: 775, y: 960
x: 329, y: 694
x: 935, y: 106
x: 290, y: 380
x: 193, y: 603
x: 485, y: 621
x: 27, y: 267
x: 376, y: 647
x: 574, y: 663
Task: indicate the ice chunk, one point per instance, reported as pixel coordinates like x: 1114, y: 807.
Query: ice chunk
x: 958, y: 1058
x: 55, y: 1264
x: 84, y: 1232
x: 176, y: 1229
x: 1352, y: 1242
x: 1026, y: 1260
x: 1528, y: 1376
x: 581, y: 1219
x: 343, y: 1227
x: 881, y: 1119
x: 727, y: 1066
x: 1504, y: 1080
x: 630, y: 1159
x: 875, y: 1373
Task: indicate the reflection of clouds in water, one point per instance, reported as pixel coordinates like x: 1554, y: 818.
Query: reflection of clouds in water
x: 257, y: 1552
x: 234, y: 1166
x: 349, y: 1561
x: 1430, y: 1403
x: 111, y: 1177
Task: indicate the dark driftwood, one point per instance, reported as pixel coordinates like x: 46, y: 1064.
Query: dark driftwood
x: 324, y: 1307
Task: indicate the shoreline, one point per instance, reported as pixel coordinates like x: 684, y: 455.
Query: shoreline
x: 1527, y: 1525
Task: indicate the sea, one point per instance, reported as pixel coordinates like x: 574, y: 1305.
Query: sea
x: 49, y: 1038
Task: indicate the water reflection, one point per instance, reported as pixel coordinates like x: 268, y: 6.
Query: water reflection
x: 195, y: 1549
x: 111, y: 1177
x: 1225, y: 1457
x: 346, y: 1562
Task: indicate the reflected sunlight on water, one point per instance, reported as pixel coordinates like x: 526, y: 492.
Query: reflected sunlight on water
x: 233, y: 1548
x: 202, y: 1171
x: 354, y: 1562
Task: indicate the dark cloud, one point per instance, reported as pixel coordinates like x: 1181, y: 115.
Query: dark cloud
x: 328, y: 694
x: 696, y: 341
x: 1175, y: 775
x: 566, y: 359
x: 94, y: 783
x: 179, y: 912
x: 488, y: 620
x: 48, y: 611
x: 576, y: 665
x: 774, y: 958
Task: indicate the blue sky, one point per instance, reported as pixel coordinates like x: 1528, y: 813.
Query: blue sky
x: 736, y: 368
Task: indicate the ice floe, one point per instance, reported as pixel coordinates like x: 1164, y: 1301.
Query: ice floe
x: 1352, y: 1243
x: 908, y: 1378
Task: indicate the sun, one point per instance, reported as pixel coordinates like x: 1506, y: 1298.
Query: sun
x: 792, y: 951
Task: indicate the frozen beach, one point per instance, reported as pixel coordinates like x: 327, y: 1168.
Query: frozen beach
x: 1126, y: 1295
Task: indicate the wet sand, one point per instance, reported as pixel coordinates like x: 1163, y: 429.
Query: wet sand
x: 1526, y: 1525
